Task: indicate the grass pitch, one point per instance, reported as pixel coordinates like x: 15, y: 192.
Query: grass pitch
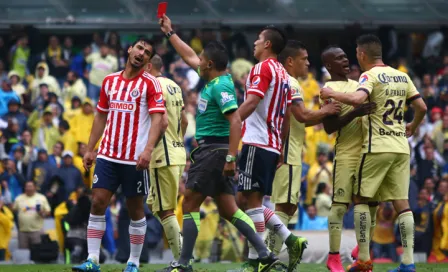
x: 206, y: 268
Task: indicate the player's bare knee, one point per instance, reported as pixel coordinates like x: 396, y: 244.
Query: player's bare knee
x: 99, y: 205
x: 241, y: 201
x: 400, y: 205
x: 287, y: 208
x: 164, y: 214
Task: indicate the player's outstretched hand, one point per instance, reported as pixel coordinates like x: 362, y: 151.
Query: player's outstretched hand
x: 332, y: 108
x: 143, y: 160
x: 325, y: 93
x: 88, y: 159
x: 410, y: 130
x: 165, y: 24
x: 229, y: 169
x: 365, y: 109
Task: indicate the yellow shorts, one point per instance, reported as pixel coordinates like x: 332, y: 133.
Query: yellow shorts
x: 164, y: 187
x: 383, y: 176
x: 286, y: 185
x: 344, y: 170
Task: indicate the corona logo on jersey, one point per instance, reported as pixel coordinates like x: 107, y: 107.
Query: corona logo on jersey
x: 363, y: 79
x: 122, y: 106
x: 383, y: 78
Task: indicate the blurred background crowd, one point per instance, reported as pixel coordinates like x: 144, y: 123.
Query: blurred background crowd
x: 49, y: 86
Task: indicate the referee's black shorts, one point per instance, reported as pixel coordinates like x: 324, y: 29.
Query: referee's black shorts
x: 205, y: 173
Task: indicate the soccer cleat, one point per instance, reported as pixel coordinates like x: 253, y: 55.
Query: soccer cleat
x: 177, y: 267
x: 268, y: 263
x: 360, y: 266
x: 87, y: 266
x: 355, y: 253
x: 404, y: 268
x: 131, y: 267
x: 296, y: 246
x: 334, y: 263
x: 248, y: 266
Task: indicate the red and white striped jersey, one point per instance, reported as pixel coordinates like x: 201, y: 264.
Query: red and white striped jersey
x: 129, y: 103
x: 270, y: 81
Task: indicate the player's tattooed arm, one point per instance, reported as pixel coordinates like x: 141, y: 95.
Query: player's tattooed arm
x: 334, y: 122
x: 185, y: 51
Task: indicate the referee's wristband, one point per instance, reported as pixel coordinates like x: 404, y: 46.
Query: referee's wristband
x: 169, y: 34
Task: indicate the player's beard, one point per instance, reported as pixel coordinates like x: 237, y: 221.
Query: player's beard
x: 136, y: 66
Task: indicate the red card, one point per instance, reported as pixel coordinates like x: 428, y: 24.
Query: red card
x: 161, y: 9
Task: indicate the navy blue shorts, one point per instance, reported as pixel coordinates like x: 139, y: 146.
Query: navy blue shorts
x: 110, y: 175
x: 257, y: 168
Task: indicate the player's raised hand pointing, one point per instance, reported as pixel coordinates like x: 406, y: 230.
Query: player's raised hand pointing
x: 165, y: 24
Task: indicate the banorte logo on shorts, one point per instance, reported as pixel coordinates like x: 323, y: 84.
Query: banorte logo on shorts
x: 122, y: 106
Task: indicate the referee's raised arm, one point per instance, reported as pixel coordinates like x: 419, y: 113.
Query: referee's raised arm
x: 185, y: 51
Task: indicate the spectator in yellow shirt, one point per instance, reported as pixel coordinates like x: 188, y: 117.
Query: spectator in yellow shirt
x: 383, y: 240
x: 81, y: 123
x: 320, y: 172
x: 311, y: 90
x: 6, y: 225
x: 323, y: 199
x: 31, y: 208
x: 103, y: 64
x: 45, y: 133
x: 316, y: 136
x: 209, y: 226
x: 43, y: 77
x: 73, y: 87
x: 67, y: 137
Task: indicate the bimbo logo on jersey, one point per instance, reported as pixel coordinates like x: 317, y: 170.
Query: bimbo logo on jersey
x: 122, y: 106
x: 383, y: 78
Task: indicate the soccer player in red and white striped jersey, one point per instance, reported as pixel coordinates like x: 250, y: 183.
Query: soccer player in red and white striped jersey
x: 264, y: 114
x: 131, y: 122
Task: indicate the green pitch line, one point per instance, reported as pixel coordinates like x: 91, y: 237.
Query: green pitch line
x: 205, y: 268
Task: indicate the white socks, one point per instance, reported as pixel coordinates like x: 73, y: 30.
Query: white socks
x: 137, y: 231
x: 95, y: 232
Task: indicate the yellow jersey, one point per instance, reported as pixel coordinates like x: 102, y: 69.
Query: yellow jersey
x: 349, y: 139
x: 171, y: 150
x: 385, y: 129
x: 27, y: 209
x: 292, y: 149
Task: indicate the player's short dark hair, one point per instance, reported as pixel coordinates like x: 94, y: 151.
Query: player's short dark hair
x: 217, y: 53
x: 157, y: 62
x: 371, y: 44
x: 277, y: 38
x: 145, y: 40
x: 327, y: 49
x: 291, y: 49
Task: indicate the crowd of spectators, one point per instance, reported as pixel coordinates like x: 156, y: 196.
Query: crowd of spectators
x: 47, y: 107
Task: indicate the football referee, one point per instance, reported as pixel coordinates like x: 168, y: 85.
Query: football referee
x: 218, y: 133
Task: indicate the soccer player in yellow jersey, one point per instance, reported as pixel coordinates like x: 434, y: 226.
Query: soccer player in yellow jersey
x: 347, y: 150
x: 168, y: 159
x: 286, y: 186
x: 383, y: 168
